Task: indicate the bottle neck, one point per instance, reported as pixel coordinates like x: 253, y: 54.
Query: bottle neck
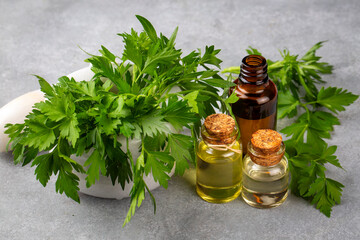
x: 224, y: 143
x: 266, y: 159
x: 210, y: 139
x: 253, y: 70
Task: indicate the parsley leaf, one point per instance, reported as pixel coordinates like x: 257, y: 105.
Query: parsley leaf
x: 148, y: 27
x: 40, y: 136
x: 44, y: 168
x: 181, y: 149
x: 325, y: 193
x: 287, y: 104
x: 335, y: 98
x: 178, y: 114
x: 68, y: 182
x: 153, y: 125
x: 70, y: 129
x: 160, y: 164
x: 95, y: 162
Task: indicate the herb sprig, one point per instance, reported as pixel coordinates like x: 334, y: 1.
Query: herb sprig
x: 129, y: 95
x: 308, y: 153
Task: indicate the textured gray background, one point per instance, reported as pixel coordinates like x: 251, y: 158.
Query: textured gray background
x: 41, y: 37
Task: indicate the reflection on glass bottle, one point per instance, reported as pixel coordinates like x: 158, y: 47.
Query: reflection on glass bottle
x: 265, y: 170
x: 257, y: 104
x: 219, y: 160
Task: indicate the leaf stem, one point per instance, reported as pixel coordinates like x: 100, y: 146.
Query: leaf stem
x: 129, y: 154
x: 303, y: 83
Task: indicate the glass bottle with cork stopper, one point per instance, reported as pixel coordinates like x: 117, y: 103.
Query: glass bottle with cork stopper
x: 219, y: 160
x: 265, y: 170
x: 257, y: 104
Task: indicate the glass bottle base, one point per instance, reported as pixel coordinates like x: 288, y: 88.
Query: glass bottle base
x: 264, y: 200
x: 217, y: 194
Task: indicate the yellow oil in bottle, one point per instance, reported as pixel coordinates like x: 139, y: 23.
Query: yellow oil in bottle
x: 218, y: 173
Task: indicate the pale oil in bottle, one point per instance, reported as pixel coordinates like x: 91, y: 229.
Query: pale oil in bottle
x: 265, y: 171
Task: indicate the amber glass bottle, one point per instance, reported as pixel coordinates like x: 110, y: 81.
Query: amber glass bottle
x: 219, y: 160
x: 257, y: 104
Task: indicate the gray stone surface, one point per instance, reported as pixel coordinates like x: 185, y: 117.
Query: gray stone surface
x: 41, y: 37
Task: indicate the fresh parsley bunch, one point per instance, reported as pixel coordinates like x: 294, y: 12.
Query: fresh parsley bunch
x: 315, y: 111
x: 130, y: 95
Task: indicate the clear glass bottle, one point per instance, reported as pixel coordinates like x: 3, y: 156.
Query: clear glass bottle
x: 265, y: 170
x: 257, y: 104
x: 219, y: 160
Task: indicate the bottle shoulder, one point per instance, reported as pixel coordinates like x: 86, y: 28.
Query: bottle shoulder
x: 208, y: 153
x: 271, y: 173
x: 260, y: 93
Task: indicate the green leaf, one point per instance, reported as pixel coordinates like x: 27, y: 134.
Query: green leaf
x: 44, y: 167
x: 307, y: 166
x: 45, y: 87
x: 164, y: 56
x: 117, y: 163
x: 68, y: 182
x: 218, y: 82
x: 41, y: 136
x: 191, y: 100
x: 160, y: 164
x: 181, y: 149
x: 87, y: 88
x: 171, y: 42
x: 287, y: 104
x: 335, y: 98
x: 70, y: 129
x: 153, y: 125
x: 252, y: 51
x: 119, y: 110
x: 103, y: 66
x: 328, y: 156
x: 178, y: 114
x: 234, y: 70
x: 106, y: 53
x: 303, y: 184
x: 314, y: 138
x: 148, y: 27
x: 29, y: 155
x: 14, y: 130
x: 311, y: 61
x: 296, y: 130
x: 131, y: 51
x: 56, y: 110
x: 334, y: 189
x: 323, y: 121
x: 233, y: 98
x: 108, y: 125
x: 156, y: 143
x: 326, y: 193
x: 140, y: 161
x: 137, y: 196
x: 127, y: 129
x: 95, y: 162
x: 209, y: 56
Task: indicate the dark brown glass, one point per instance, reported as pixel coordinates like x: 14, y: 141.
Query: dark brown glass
x: 257, y: 104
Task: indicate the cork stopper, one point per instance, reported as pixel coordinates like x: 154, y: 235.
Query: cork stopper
x: 220, y: 128
x: 266, y: 147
